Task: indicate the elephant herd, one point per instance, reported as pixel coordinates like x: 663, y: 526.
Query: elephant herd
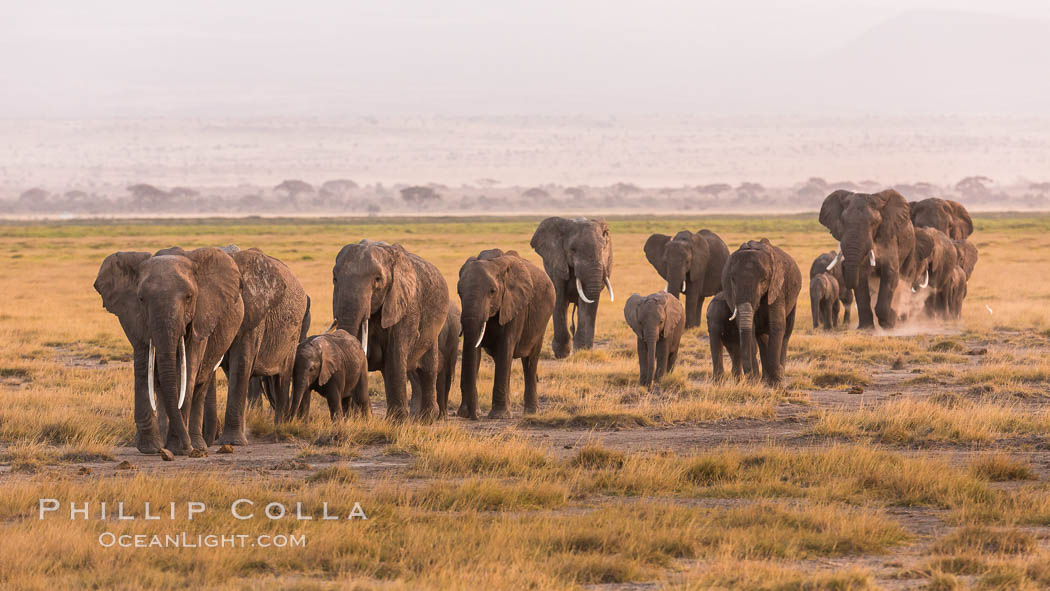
x: 189, y: 313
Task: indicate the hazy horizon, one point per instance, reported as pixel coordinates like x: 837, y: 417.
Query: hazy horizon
x: 119, y: 58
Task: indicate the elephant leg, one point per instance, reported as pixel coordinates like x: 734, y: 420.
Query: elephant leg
x: 427, y: 374
x: 836, y: 306
x: 865, y: 314
x: 468, y: 382
x: 717, y: 363
x: 282, y: 382
x: 163, y: 426
x: 196, y: 404
x: 233, y: 428
x: 672, y: 358
x: 529, y: 366
x: 661, y: 359
x: 789, y: 328
x: 362, y: 404
x: 847, y: 303
x: 395, y: 379
x: 442, y: 390
x: 584, y: 337
x: 147, y: 437
x: 774, y: 372
x: 417, y: 392
x: 334, y: 397
x: 884, y: 307
x: 643, y: 362
x: 734, y: 358
x: 503, y: 358
x: 211, y: 414
x: 693, y: 303
x: 562, y: 341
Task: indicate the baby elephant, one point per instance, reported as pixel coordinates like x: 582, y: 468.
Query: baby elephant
x: 723, y: 333
x: 658, y: 320
x: 824, y: 300
x: 333, y: 365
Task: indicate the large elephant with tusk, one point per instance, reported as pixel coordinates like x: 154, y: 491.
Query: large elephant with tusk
x: 396, y: 303
x: 876, y: 236
x: 761, y: 284
x: 180, y: 310
x: 577, y: 255
x: 931, y: 269
x: 690, y: 264
x: 507, y: 302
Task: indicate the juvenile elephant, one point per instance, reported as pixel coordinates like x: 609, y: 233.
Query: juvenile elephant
x: 180, y: 310
x: 824, y: 300
x: 722, y: 332
x: 396, y: 303
x: 658, y: 320
x: 333, y: 365
x: 762, y: 283
x: 507, y: 302
x: 945, y: 215
x: 932, y: 267
x: 875, y: 235
x: 956, y: 292
x: 448, y: 354
x: 577, y: 255
x: 276, y: 317
x: 690, y: 263
x: 829, y: 263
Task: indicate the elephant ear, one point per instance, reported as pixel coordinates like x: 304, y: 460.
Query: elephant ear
x: 517, y: 290
x: 262, y: 284
x: 330, y: 356
x: 896, y: 223
x: 463, y: 267
x: 607, y: 239
x: 924, y: 243
x: 654, y: 252
x: 549, y: 241
x: 776, y: 273
x: 117, y: 283
x: 218, y: 287
x: 963, y: 221
x: 402, y: 293
x: 831, y: 212
x: 630, y: 311
x: 674, y: 316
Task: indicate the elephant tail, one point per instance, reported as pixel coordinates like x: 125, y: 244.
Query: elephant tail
x: 304, y: 330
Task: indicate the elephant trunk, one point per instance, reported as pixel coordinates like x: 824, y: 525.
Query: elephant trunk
x: 170, y: 367
x: 857, y: 251
x: 748, y: 344
x: 473, y: 332
x: 651, y: 336
x: 352, y: 314
x: 300, y: 390
x: 590, y: 282
x: 675, y: 282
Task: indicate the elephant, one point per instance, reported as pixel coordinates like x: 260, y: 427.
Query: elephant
x: 276, y: 318
x: 824, y: 300
x: 876, y: 236
x: 396, y: 303
x: 577, y: 255
x: 180, y: 310
x: 448, y: 354
x: 333, y: 365
x: 507, y: 302
x: 967, y: 256
x: 947, y: 216
x: 658, y: 320
x: 935, y: 260
x: 762, y: 283
x: 722, y: 332
x: 828, y: 262
x: 690, y: 263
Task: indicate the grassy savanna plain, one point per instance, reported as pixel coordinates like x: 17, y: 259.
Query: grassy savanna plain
x: 918, y: 458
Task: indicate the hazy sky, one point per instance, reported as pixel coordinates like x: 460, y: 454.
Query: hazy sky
x: 235, y: 57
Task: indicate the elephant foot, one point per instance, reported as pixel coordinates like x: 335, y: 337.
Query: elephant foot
x: 232, y: 438
x: 198, y: 442
x: 530, y: 409
x: 561, y: 349
x: 397, y: 414
x: 427, y: 414
x: 467, y: 413
x: 177, y: 449
x: 148, y: 442
x: 499, y: 413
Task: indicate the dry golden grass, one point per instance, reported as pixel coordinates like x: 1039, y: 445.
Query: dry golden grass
x: 682, y: 485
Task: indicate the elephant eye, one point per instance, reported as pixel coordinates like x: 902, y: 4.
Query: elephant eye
x: 379, y: 279
x: 492, y: 290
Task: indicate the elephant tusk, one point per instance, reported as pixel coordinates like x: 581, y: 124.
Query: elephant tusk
x: 925, y: 278
x: 480, y: 336
x: 364, y: 336
x: 150, y: 382
x: 182, y: 388
x: 683, y: 287
x: 608, y: 283
x: 871, y: 253
x: 579, y: 289
x: 219, y: 363
x: 835, y: 259
x: 332, y: 326
x: 733, y: 317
